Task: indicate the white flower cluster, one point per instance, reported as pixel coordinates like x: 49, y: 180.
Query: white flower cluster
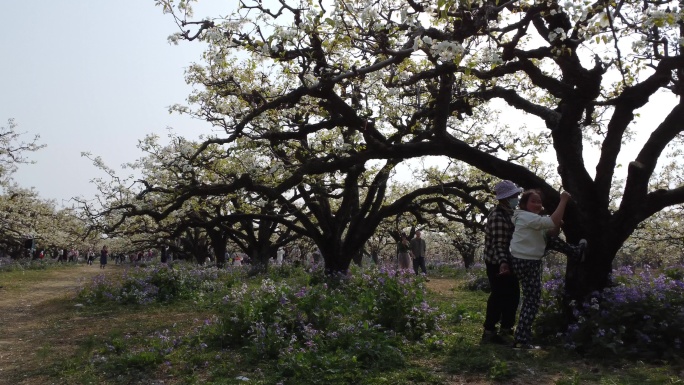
x: 213, y: 35
x: 224, y: 107
x: 394, y: 91
x: 268, y: 286
x: 173, y: 39
x: 285, y: 33
x: 640, y: 44
x: 216, y: 54
x: 444, y: 50
x: 447, y: 50
x: 310, y: 80
x: 185, y: 148
x: 368, y: 15
x: 411, y: 20
x: 660, y: 18
x: 557, y: 34
x: 491, y: 56
x: 265, y: 48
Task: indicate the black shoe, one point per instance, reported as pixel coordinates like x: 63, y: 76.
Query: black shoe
x: 490, y: 337
x: 507, y: 335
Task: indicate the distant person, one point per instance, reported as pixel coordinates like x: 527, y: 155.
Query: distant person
x: 404, y: 253
x: 418, y: 251
x: 103, y: 257
x: 279, y: 256
x: 164, y: 254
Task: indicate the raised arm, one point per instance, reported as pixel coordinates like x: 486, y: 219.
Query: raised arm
x: 557, y: 215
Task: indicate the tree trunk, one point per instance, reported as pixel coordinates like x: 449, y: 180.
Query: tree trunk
x: 336, y: 264
x: 358, y: 259
x: 218, y: 243
x: 220, y: 254
x: 582, y: 278
x: 467, y: 251
x: 468, y: 258
x: 260, y: 256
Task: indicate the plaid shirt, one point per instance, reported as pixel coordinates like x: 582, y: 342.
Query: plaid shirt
x: 498, y: 234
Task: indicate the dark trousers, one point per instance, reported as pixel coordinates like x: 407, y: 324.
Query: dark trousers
x: 503, y: 300
x: 419, y: 262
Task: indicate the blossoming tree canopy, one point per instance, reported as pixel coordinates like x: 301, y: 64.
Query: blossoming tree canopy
x: 402, y: 79
x: 13, y: 150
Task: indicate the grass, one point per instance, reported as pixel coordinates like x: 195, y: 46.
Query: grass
x: 16, y: 280
x: 113, y: 344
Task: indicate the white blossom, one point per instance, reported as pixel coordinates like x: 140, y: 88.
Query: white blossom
x: 416, y: 43
x: 173, y: 39
x: 310, y: 80
x: 557, y: 33
x: 659, y: 18
x: 369, y: 15
x: 447, y: 50
x: 492, y: 56
x: 213, y: 34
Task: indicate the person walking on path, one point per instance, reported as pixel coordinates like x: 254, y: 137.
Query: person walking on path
x: 528, y: 245
x: 418, y: 250
x: 504, y: 297
x: 103, y: 257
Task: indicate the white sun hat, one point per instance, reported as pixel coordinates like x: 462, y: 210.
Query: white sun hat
x: 506, y: 189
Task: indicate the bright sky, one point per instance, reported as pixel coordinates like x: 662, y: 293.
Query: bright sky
x: 93, y: 76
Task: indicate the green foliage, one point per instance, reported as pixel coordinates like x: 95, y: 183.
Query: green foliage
x: 25, y: 264
x: 350, y: 324
x: 640, y: 316
x: 293, y: 331
x: 674, y: 272
x: 499, y: 371
x: 158, y: 284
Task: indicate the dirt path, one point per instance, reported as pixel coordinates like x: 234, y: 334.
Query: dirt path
x: 32, y: 320
x: 442, y: 286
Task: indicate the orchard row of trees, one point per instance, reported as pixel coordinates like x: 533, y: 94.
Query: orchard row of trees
x: 25, y: 218
x: 317, y: 106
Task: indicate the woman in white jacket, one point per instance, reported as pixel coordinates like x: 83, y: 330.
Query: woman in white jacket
x: 528, y: 246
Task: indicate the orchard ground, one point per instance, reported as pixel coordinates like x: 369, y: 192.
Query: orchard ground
x: 47, y: 337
